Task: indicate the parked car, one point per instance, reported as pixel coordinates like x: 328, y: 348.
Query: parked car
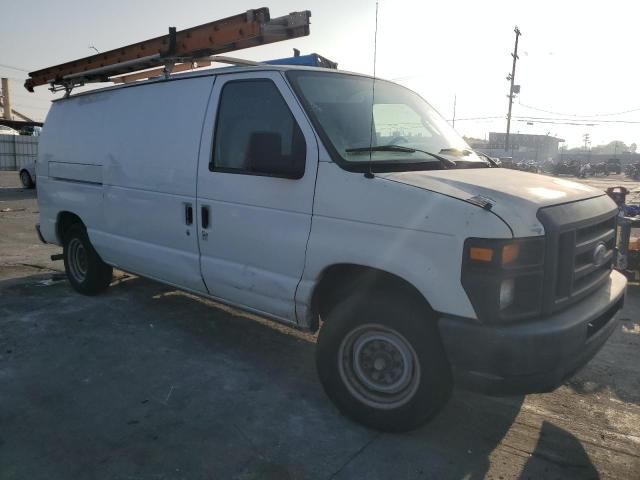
x: 614, y: 165
x: 28, y: 175
x: 601, y: 168
x: 31, y: 130
x: 507, y: 162
x: 585, y: 170
x: 263, y: 187
x: 4, y: 130
x: 494, y: 162
x: 633, y: 171
x: 567, y: 168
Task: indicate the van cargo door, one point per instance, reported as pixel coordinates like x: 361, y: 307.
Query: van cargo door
x: 149, y: 149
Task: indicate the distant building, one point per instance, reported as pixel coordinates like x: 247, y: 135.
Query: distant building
x: 524, y: 146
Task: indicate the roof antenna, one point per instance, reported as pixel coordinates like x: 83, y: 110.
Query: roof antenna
x: 369, y: 173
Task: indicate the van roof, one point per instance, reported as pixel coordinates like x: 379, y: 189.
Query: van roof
x: 208, y: 72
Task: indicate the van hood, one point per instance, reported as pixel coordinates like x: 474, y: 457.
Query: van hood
x: 516, y: 196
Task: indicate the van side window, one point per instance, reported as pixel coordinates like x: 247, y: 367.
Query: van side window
x: 256, y: 132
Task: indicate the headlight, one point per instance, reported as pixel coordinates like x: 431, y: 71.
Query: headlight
x: 507, y: 290
x: 503, y: 278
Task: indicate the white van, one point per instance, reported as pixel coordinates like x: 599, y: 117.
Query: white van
x: 302, y: 195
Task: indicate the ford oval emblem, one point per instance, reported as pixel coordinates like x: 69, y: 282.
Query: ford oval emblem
x: 599, y: 254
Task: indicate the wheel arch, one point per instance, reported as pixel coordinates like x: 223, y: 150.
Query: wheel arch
x: 64, y: 221
x: 337, y: 281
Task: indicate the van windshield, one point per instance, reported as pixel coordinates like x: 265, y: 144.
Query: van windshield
x: 340, y: 106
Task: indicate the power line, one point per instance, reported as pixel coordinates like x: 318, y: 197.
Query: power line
x: 576, y: 115
x: 14, y: 68
x: 479, y: 118
x: 582, y: 120
x: 559, y: 121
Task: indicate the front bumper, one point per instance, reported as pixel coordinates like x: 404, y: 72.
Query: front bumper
x: 535, y: 356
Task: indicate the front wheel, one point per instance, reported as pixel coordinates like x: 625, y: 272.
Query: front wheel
x: 382, y: 363
x: 86, y: 271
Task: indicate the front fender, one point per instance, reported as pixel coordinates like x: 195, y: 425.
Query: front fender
x: 414, y: 234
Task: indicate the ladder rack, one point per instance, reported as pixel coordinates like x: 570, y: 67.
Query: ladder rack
x: 177, y: 50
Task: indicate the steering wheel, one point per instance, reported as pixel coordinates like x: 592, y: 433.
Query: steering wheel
x: 399, y: 139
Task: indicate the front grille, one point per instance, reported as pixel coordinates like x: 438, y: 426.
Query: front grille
x: 579, y: 270
x: 581, y: 240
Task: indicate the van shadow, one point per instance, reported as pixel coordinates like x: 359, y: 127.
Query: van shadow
x: 278, y: 391
x: 143, y: 378
x: 563, y: 452
x: 8, y: 194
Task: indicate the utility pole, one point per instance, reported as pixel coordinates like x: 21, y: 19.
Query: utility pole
x: 587, y: 141
x: 512, y: 77
x: 6, y: 99
x: 455, y: 98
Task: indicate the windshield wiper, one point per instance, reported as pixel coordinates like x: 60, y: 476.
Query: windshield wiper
x: 381, y: 148
x: 399, y: 148
x: 458, y: 151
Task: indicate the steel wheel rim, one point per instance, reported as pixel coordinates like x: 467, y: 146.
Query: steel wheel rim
x: 379, y: 366
x: 77, y: 257
x: 25, y: 178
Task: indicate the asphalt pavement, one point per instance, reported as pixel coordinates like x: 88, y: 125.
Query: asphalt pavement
x: 147, y: 382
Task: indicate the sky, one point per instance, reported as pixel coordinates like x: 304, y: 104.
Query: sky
x: 578, y: 60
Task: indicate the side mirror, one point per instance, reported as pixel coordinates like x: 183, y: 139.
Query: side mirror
x: 264, y: 156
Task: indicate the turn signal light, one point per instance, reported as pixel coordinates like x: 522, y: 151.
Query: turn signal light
x: 481, y: 254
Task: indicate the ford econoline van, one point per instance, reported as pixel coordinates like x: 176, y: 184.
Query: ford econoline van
x: 332, y: 201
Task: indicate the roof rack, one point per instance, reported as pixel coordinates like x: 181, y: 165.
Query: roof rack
x: 310, y: 60
x: 177, y: 51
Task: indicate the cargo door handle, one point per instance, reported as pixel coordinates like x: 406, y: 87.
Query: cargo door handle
x: 205, y: 216
x: 188, y: 214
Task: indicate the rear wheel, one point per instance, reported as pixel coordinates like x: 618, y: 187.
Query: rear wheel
x: 86, y: 271
x: 380, y: 360
x: 26, y: 180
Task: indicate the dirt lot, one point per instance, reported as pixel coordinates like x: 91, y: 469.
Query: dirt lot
x: 148, y: 382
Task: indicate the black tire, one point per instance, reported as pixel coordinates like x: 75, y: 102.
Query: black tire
x: 26, y: 180
x: 86, y: 271
x: 360, y: 331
